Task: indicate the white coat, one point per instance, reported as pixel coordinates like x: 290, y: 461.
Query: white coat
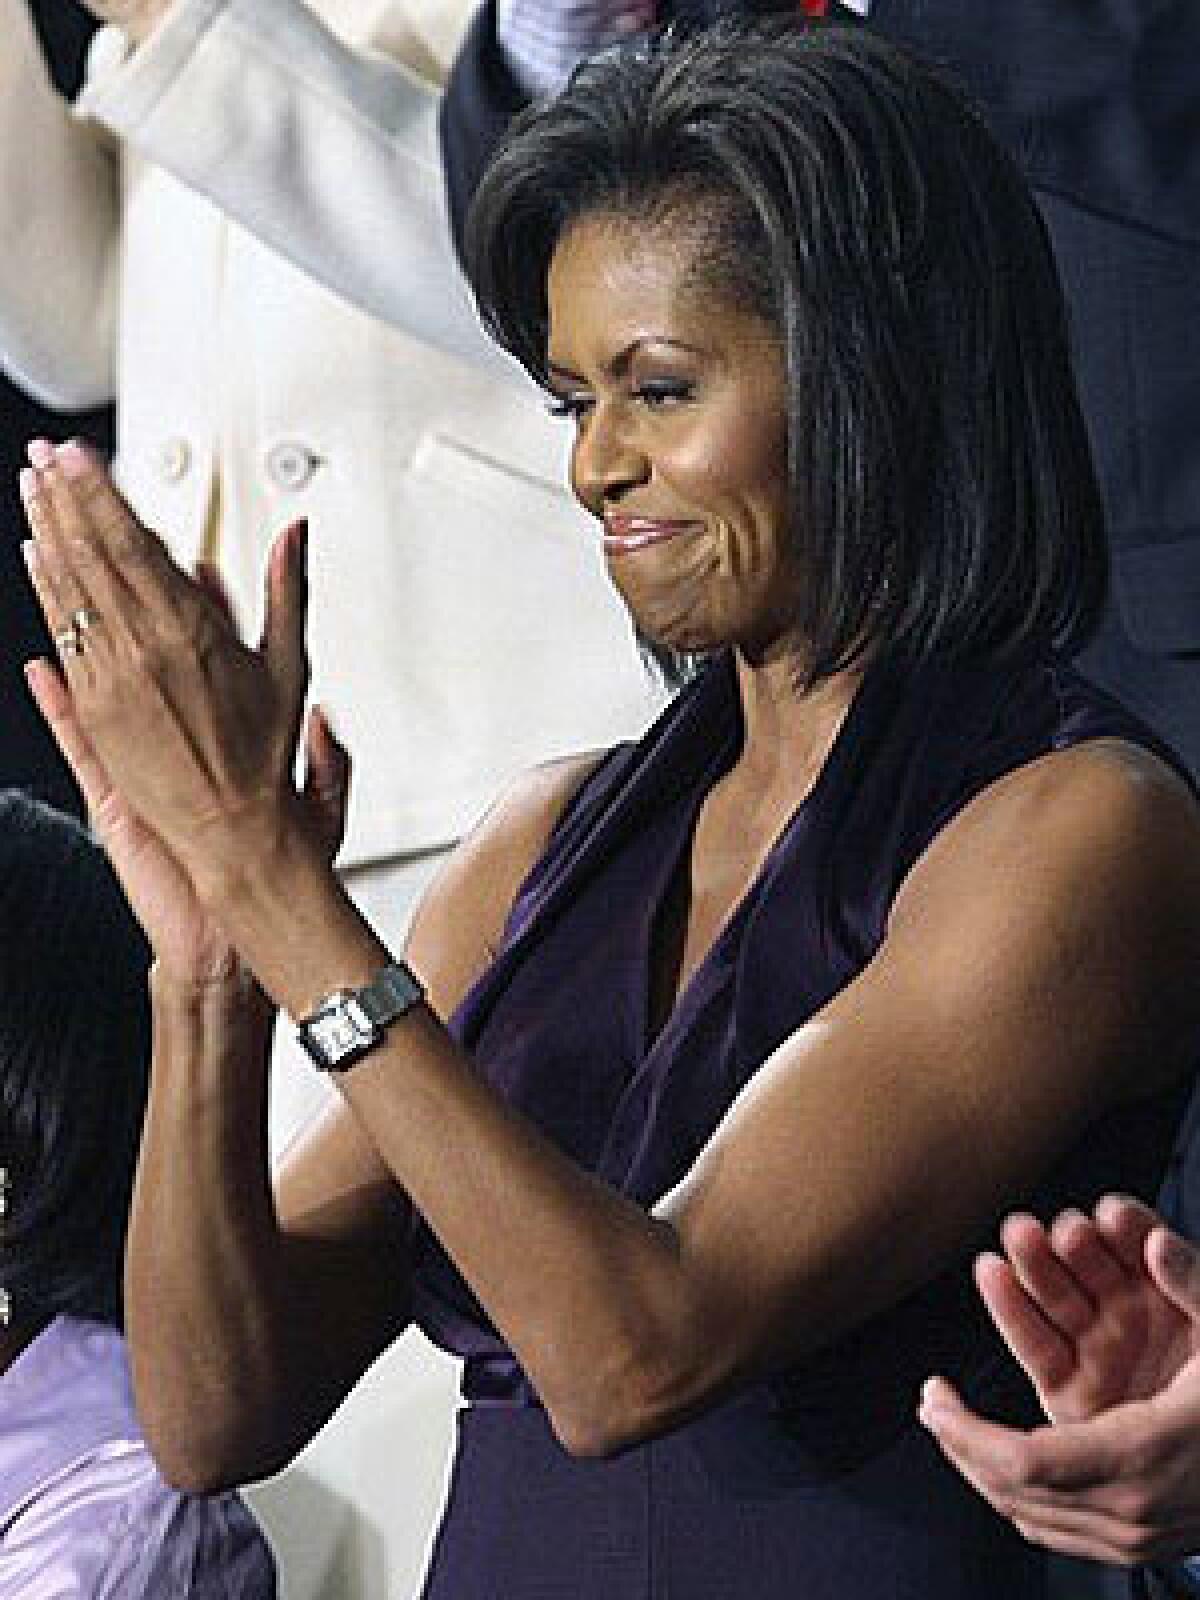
x: 462, y: 627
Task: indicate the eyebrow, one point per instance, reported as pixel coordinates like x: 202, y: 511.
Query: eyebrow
x: 620, y: 363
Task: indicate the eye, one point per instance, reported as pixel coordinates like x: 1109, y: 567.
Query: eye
x: 657, y: 393
x: 573, y: 406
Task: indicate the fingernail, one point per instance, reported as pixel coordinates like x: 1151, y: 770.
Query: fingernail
x: 931, y: 1407
x: 40, y: 452
x: 74, y: 458
x: 27, y: 484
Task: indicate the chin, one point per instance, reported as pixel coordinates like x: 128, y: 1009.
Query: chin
x: 672, y: 635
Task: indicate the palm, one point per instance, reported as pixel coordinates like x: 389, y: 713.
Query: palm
x: 185, y: 939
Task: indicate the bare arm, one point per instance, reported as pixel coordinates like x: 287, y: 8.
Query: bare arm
x: 59, y: 208
x: 1037, y: 970
x: 245, y: 1330
x: 1020, y: 992
x: 245, y: 1333
x: 253, y: 1308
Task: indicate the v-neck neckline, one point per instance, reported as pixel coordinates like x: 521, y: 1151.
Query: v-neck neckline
x: 722, y: 761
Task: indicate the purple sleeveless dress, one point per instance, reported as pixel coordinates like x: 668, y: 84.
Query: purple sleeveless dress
x: 817, y: 1484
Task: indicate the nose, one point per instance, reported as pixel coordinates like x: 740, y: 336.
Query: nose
x: 606, y: 460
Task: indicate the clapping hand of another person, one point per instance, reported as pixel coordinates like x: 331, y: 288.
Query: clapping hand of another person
x: 1103, y: 1312
x: 186, y: 941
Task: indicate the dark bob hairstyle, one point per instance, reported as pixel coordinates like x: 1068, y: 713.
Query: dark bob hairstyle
x: 944, y: 493
x: 74, y: 1066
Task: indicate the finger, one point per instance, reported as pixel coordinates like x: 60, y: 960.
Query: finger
x: 1043, y: 1463
x: 286, y: 617
x: 1041, y: 1348
x: 1174, y: 1265
x: 107, y: 543
x: 1044, y: 1277
x: 1126, y: 1224
x: 989, y: 1453
x: 144, y: 601
x: 1084, y: 1251
x: 53, y: 597
x: 88, y: 587
x: 53, y: 700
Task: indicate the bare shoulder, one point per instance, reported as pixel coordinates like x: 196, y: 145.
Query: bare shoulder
x: 458, y: 927
x: 1084, y: 864
x: 1107, y: 805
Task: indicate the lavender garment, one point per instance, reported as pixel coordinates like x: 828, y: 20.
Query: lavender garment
x: 84, y: 1513
x: 817, y: 1484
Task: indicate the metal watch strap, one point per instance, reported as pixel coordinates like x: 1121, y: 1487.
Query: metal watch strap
x: 390, y: 994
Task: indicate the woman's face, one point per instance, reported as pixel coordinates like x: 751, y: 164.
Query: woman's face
x: 680, y: 408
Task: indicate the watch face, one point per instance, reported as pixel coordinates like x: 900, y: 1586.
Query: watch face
x: 335, y: 1035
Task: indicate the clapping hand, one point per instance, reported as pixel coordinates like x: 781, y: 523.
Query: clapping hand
x: 1103, y: 1313
x: 104, y: 748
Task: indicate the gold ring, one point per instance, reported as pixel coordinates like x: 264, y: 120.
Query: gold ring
x: 69, y: 642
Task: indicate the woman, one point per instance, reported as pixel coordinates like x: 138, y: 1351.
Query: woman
x: 756, y: 1026
x: 83, y: 1509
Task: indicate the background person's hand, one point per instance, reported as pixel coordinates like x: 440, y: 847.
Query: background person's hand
x: 1104, y: 1315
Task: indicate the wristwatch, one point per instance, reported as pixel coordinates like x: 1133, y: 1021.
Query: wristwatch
x: 350, y: 1022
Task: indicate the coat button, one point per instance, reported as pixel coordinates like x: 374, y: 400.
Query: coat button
x: 174, y: 459
x: 291, y: 465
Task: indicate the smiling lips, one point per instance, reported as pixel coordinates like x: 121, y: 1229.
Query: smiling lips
x: 622, y: 534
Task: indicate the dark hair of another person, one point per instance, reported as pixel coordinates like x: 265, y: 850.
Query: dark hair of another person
x: 74, y: 1064
x: 944, y: 493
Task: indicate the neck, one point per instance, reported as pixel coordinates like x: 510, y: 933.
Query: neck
x: 789, y: 733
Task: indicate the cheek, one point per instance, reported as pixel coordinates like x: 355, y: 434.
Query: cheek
x: 669, y: 591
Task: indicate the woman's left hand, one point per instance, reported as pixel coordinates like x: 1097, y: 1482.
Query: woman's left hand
x: 196, y: 731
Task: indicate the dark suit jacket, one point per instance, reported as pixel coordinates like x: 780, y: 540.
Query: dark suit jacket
x: 1100, y: 103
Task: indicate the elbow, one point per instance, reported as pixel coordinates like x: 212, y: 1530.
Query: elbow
x: 194, y: 1477
x: 208, y: 1458
x: 197, y: 1466
x: 635, y: 1399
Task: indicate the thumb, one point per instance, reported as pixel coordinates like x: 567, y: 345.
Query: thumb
x: 326, y: 781
x: 283, y: 637
x: 1174, y: 1265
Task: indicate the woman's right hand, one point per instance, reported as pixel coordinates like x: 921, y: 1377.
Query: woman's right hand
x: 188, y: 945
